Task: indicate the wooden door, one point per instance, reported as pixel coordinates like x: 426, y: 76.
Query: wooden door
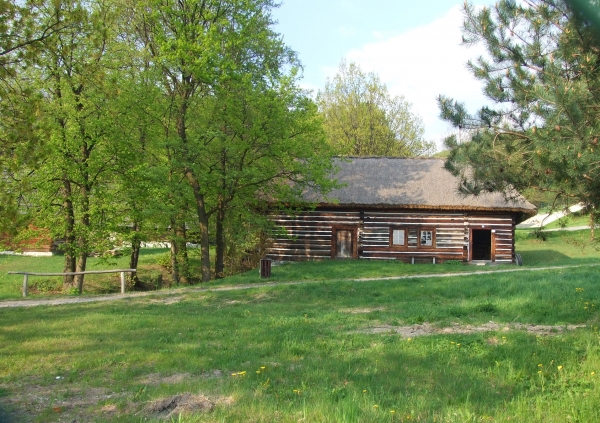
x: 344, y: 245
x: 343, y: 242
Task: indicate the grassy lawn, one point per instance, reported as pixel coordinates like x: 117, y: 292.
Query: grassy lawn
x: 326, y: 351
x: 11, y: 285
x: 558, y: 248
x: 570, y: 221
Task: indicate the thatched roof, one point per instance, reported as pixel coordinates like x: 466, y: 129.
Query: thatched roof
x: 408, y: 183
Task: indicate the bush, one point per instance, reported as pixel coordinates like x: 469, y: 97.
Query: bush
x: 45, y: 286
x: 164, y: 261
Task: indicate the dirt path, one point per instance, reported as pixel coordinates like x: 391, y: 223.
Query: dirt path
x: 179, y: 291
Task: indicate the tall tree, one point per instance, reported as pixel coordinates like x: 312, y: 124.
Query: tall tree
x: 226, y: 98
x: 77, y: 77
x: 362, y: 119
x: 542, y: 72
x: 270, y: 136
x: 23, y: 27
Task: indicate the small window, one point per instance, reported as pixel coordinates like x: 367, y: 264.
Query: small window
x: 413, y: 238
x: 398, y: 237
x: 426, y: 239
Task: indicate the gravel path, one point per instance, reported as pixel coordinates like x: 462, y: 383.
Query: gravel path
x: 179, y: 291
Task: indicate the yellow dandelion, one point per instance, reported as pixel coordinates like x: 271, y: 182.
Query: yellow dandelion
x: 262, y: 367
x: 559, y: 367
x: 364, y: 391
x: 593, y: 373
x: 234, y: 374
x: 392, y: 411
x: 539, y: 372
x: 408, y: 339
x: 458, y: 345
x: 540, y: 365
x: 258, y: 372
x: 375, y: 406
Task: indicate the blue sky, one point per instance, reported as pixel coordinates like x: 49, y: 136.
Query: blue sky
x: 414, y: 47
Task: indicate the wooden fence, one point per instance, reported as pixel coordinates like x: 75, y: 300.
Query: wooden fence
x: 27, y: 274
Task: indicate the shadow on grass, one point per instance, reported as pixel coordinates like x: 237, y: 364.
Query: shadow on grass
x: 8, y: 417
x: 547, y: 258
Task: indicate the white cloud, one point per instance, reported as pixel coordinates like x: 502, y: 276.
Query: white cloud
x: 423, y: 63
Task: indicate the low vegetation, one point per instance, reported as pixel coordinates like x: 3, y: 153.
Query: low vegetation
x: 518, y: 346
x: 548, y: 248
x: 318, y: 352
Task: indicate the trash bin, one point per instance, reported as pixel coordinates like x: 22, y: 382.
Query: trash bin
x: 265, y: 268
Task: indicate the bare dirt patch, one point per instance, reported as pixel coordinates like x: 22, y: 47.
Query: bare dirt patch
x: 168, y: 300
x: 65, y: 403
x: 181, y: 404
x: 361, y: 310
x: 425, y: 329
x: 156, y: 379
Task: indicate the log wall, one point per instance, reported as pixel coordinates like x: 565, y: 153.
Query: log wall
x: 308, y: 236
x: 38, y: 241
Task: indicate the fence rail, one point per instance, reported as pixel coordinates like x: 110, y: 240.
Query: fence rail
x: 87, y: 272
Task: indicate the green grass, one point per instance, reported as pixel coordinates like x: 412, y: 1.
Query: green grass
x: 570, y: 221
x: 320, y: 362
x: 559, y: 248
x: 11, y: 285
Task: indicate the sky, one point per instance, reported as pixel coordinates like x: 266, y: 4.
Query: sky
x: 413, y: 46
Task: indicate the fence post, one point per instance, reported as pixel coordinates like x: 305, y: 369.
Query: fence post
x: 25, y: 277
x: 265, y: 268
x: 122, y: 282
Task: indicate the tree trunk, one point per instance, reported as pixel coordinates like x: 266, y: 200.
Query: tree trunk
x: 202, y: 224
x: 174, y: 254
x: 69, y: 245
x: 135, y: 256
x: 82, y: 238
x: 182, y: 255
x: 220, y: 234
x: 81, y: 263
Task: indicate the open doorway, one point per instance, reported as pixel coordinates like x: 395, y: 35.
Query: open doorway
x: 481, y: 247
x: 343, y: 243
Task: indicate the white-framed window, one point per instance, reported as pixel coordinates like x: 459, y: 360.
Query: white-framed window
x: 426, y: 238
x: 398, y: 237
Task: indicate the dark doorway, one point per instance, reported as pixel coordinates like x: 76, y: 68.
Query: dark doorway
x: 481, y: 244
x: 344, y: 247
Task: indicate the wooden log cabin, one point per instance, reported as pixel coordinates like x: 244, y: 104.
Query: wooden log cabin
x: 403, y: 209
x: 37, y: 242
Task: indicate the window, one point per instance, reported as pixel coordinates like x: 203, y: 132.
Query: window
x: 398, y: 237
x: 426, y: 238
x: 412, y: 237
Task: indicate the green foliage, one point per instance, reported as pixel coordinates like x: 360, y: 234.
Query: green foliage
x: 362, y: 119
x: 541, y: 73
x: 128, y: 121
x: 164, y: 261
x: 236, y: 128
